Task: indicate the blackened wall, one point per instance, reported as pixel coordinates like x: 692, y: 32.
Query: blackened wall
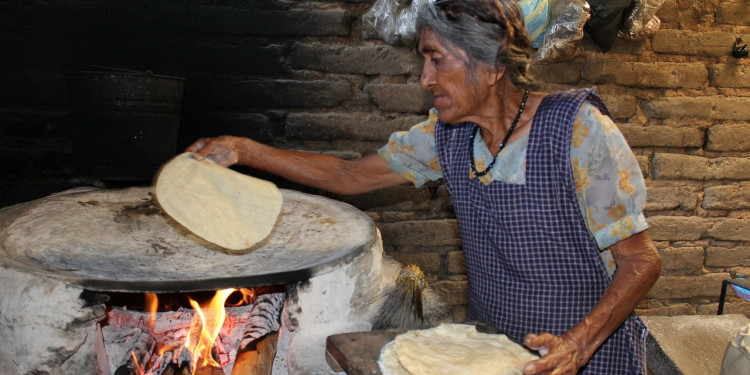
x: 299, y: 74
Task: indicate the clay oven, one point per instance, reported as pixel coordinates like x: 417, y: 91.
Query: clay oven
x: 57, y: 250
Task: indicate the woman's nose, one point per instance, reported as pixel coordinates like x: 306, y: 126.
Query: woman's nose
x: 427, y: 79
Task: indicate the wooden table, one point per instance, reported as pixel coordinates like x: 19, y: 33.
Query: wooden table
x: 357, y: 353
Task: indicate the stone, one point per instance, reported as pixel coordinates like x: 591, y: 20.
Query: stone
x: 429, y: 262
x: 719, y: 256
x: 621, y: 106
x: 358, y: 126
x: 662, y: 136
x: 679, y: 166
x: 729, y: 75
x: 711, y: 107
x: 683, y: 42
x: 400, y: 98
x: 687, y: 287
x: 733, y: 12
x: 456, y: 262
x: 677, y: 227
x: 671, y: 196
x: 635, y: 74
x: 729, y: 229
x: 729, y: 137
x: 296, y: 22
x: 264, y: 93
x: 255, y: 126
x: 452, y: 292
x: 368, y: 60
x: 421, y: 233
x: 562, y: 72
x: 682, y: 260
x: 671, y: 310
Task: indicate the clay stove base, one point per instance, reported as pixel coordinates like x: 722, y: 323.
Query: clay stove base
x: 45, y: 326
x: 326, y: 253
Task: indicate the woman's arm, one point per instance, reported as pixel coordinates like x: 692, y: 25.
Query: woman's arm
x: 638, y: 268
x: 312, y: 169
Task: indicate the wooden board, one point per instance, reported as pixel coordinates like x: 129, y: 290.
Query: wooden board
x: 357, y: 353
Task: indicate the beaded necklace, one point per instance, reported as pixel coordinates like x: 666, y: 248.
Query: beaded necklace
x: 502, y: 144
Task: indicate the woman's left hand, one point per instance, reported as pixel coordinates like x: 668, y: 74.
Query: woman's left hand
x: 561, y: 355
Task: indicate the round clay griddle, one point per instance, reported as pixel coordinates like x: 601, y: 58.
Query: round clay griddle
x: 120, y: 240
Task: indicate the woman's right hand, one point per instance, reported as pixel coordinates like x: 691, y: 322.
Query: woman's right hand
x: 224, y: 150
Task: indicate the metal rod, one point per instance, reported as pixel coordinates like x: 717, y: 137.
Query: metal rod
x: 722, y: 296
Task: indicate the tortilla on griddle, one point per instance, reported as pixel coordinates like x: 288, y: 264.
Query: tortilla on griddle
x: 220, y: 205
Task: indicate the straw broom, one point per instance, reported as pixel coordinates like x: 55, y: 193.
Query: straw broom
x: 402, y: 305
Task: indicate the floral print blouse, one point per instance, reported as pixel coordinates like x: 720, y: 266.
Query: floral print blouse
x: 609, y: 184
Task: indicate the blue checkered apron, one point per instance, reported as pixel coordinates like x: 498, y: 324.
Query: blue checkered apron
x: 532, y: 264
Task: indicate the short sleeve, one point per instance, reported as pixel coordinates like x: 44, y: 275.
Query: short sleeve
x: 609, y: 183
x: 412, y: 153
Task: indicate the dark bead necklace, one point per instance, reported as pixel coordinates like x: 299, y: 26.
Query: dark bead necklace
x: 502, y: 144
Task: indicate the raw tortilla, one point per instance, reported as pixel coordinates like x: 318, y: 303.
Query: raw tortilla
x: 222, y: 206
x: 388, y: 362
x: 454, y: 349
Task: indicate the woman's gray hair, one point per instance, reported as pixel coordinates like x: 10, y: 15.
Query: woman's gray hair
x: 491, y: 32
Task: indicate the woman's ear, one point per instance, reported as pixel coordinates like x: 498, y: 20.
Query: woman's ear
x: 494, y: 75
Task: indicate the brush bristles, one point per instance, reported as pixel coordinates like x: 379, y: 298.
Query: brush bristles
x: 402, y: 306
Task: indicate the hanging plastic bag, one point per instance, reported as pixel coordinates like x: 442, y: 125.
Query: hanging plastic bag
x: 562, y: 40
x: 536, y: 18
x: 606, y: 16
x: 407, y: 23
x: 640, y: 20
x: 381, y: 20
x: 394, y: 21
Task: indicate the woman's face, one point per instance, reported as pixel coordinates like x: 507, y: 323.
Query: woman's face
x: 456, y: 97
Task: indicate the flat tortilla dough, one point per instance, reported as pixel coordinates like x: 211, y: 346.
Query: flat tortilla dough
x: 222, y: 206
x: 454, y: 349
x: 388, y: 362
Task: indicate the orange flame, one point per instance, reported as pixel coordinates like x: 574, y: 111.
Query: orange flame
x: 138, y: 368
x: 211, y: 319
x: 248, y: 296
x: 203, y: 331
x: 151, y: 305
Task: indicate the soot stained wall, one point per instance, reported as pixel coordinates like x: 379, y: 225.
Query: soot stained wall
x: 298, y: 74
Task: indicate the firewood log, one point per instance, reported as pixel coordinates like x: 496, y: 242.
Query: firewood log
x: 258, y: 360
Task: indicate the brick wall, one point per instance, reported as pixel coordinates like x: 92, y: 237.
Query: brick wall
x: 298, y: 74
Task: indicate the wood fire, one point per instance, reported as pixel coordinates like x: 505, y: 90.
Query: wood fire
x: 206, y: 339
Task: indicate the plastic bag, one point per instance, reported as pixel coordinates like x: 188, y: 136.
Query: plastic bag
x: 536, y: 18
x: 407, y: 25
x: 393, y: 21
x: 737, y: 355
x: 379, y: 20
x: 640, y: 20
x: 606, y: 16
x: 562, y: 40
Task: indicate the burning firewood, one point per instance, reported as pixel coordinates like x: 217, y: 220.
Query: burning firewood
x: 259, y: 359
x: 264, y: 318
x: 141, y: 346
x: 156, y: 343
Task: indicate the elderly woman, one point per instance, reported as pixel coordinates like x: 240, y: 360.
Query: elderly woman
x: 546, y: 192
